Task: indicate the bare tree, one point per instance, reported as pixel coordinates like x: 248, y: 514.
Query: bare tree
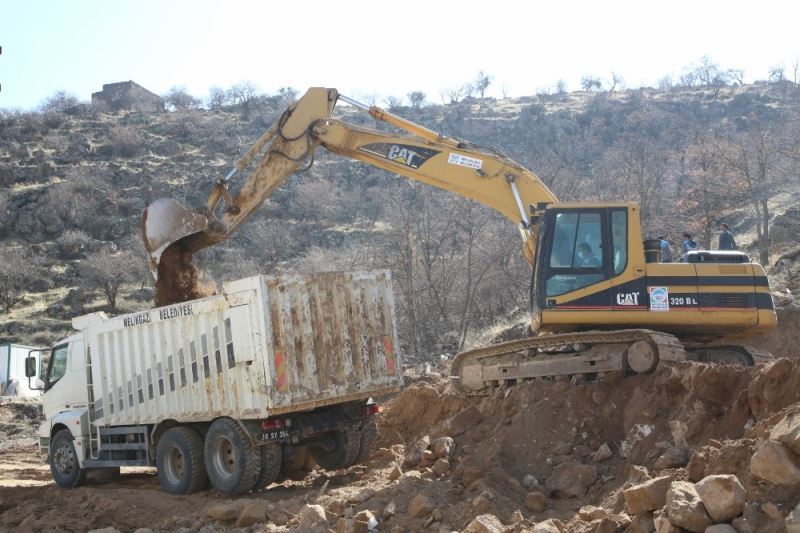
x: 453, y: 94
x: 795, y: 69
x: 217, y: 98
x: 616, y: 81
x: 288, y: 95
x: 590, y: 82
x: 19, y: 271
x: 482, y: 82
x: 242, y: 93
x: 777, y: 74
x: 561, y: 87
x: 107, y: 271
x: 393, y: 102
x: 417, y: 99
x: 178, y: 99
x: 59, y: 102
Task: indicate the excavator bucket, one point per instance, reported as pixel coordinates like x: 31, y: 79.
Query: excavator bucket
x: 164, y: 222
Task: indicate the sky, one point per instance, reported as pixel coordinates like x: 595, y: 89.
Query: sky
x: 373, y: 49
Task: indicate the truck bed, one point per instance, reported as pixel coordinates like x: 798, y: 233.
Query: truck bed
x: 265, y: 346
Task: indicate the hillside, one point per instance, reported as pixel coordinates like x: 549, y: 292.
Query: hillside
x: 73, y: 184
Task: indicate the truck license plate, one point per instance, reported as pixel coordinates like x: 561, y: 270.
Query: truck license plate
x: 275, y: 435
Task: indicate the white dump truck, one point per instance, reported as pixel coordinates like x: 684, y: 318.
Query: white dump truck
x: 236, y: 389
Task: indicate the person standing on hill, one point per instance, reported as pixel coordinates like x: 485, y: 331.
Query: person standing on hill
x: 687, y: 243
x: 726, y: 240
x: 666, y: 251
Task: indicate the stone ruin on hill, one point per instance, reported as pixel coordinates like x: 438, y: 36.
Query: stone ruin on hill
x: 127, y: 96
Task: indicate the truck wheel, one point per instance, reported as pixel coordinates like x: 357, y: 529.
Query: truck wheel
x: 271, y: 459
x: 63, y: 460
x: 339, y: 451
x: 179, y: 461
x: 232, y: 462
x: 297, y: 462
x: 369, y: 441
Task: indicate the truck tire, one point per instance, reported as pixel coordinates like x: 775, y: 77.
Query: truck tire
x: 179, y: 461
x: 369, y: 441
x: 232, y: 462
x: 63, y: 460
x: 271, y: 460
x: 340, y: 452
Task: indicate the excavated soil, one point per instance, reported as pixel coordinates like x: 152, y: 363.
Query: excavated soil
x: 178, y: 278
x: 615, y: 431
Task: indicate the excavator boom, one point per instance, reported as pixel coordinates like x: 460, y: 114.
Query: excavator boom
x: 482, y: 174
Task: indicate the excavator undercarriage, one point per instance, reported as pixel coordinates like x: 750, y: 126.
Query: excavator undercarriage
x: 633, y: 351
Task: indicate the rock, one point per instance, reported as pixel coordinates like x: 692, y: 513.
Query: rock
x: 772, y: 463
x: 529, y: 481
x: 647, y: 496
x: 395, y: 473
x: 516, y: 517
x: 280, y: 517
x: 412, y: 459
x: 254, y: 513
x: 562, y: 448
x: 641, y: 523
x: 722, y: 496
x: 223, y: 512
x: 637, y: 474
x: 144, y: 530
x: 367, y: 518
x: 312, y: 515
x: 390, y: 510
x: 536, y: 501
x: 422, y: 444
x: 571, y: 479
x: 441, y: 467
x: 436, y: 515
x: 101, y: 530
x: 673, y: 457
x: 464, y: 420
x: 548, y: 526
x: 777, y: 369
x: 663, y: 525
x: 771, y: 510
x: 696, y: 468
x: 481, y: 503
x: 428, y: 456
x: 419, y: 506
x: 787, y: 432
x: 603, y: 452
x: 335, y: 507
x: 361, y: 496
x: 792, y: 521
x: 485, y: 523
x: 442, y: 447
x: 684, y: 507
x: 592, y: 512
x: 721, y: 528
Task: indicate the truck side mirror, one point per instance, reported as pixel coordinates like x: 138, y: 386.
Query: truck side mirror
x: 30, y: 367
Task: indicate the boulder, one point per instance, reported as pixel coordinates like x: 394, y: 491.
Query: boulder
x: 673, y: 457
x: 647, y: 496
x: 663, y: 525
x: 793, y: 520
x: 696, y: 468
x: 442, y: 447
x: 536, y: 501
x: 395, y: 473
x: 223, y: 512
x: 441, y: 467
x: 721, y: 528
x: 787, y: 432
x: 390, y: 510
x: 722, y: 496
x: 772, y: 463
x: 684, y: 507
x: 312, y: 515
x: 254, y: 513
x: 485, y: 523
x: 571, y: 479
x: 603, y: 452
x: 420, y: 506
x: 641, y: 523
x: 549, y: 526
x: 464, y: 420
x: 592, y: 512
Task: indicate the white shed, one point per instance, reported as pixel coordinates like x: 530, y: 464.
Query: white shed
x: 12, y: 370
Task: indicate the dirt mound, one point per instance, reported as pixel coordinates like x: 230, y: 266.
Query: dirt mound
x: 19, y: 420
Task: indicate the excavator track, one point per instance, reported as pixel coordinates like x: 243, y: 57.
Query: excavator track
x: 479, y: 371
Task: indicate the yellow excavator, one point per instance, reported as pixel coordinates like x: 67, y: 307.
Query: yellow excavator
x: 600, y: 298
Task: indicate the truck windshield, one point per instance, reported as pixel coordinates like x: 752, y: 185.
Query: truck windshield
x: 58, y: 364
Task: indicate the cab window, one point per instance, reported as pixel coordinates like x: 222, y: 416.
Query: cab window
x: 619, y: 240
x: 577, y: 254
x: 58, y: 364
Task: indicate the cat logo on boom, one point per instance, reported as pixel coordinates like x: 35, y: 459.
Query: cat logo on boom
x: 404, y: 154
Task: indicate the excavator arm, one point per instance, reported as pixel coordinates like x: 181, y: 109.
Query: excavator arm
x: 484, y: 175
